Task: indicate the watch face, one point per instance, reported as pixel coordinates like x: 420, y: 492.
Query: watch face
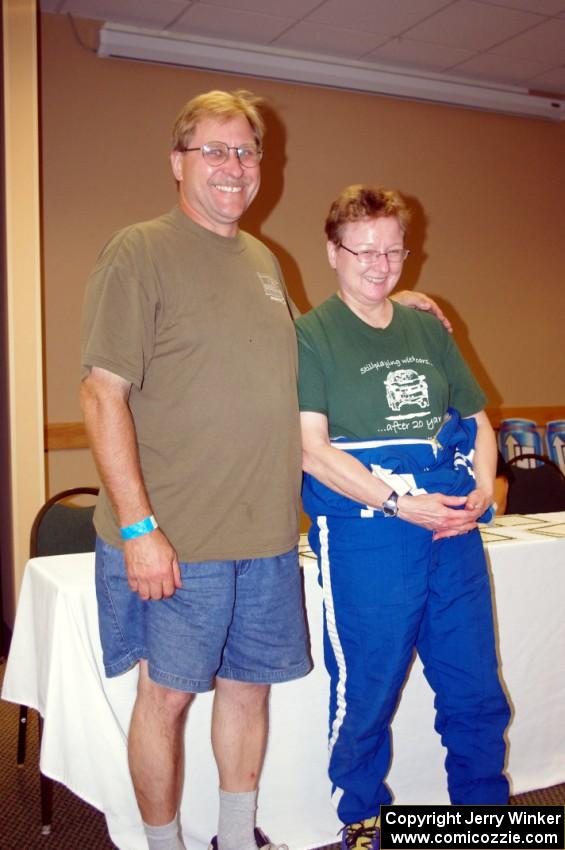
x: 390, y: 506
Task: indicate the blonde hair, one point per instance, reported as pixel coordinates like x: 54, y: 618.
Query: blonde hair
x: 221, y: 105
x: 361, y: 202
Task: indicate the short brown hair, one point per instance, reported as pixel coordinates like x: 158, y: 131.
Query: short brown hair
x: 361, y: 202
x: 222, y: 105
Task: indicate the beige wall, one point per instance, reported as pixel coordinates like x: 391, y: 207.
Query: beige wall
x: 487, y: 191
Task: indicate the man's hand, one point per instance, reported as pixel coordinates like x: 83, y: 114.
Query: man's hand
x: 152, y: 566
x: 422, y: 302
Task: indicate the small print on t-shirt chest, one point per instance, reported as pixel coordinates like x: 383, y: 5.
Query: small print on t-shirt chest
x: 271, y: 287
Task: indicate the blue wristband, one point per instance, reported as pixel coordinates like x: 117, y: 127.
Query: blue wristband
x: 138, y: 529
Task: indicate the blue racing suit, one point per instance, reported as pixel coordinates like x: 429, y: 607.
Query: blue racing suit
x: 389, y: 589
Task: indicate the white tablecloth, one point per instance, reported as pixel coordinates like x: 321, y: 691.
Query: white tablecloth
x: 55, y: 667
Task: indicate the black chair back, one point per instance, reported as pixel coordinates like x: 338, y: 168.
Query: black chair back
x: 61, y: 528
x: 537, y: 488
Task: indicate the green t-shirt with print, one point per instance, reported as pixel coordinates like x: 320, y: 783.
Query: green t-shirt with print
x: 381, y: 382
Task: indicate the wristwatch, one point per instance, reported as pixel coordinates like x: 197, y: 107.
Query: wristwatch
x: 390, y: 504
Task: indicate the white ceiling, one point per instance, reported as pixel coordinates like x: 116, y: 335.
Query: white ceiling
x: 510, y: 42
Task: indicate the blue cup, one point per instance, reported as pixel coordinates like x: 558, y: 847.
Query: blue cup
x: 517, y: 437
x: 555, y: 441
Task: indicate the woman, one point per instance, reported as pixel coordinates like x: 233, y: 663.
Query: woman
x: 399, y: 460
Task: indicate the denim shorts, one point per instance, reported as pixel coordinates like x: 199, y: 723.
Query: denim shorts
x: 241, y: 620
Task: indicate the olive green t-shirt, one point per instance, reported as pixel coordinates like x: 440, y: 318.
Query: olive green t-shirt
x: 381, y: 382
x: 200, y: 326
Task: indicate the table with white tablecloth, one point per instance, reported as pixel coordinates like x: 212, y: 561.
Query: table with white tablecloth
x: 55, y: 666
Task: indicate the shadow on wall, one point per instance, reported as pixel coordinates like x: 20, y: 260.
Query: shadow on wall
x: 470, y: 353
x: 411, y: 275
x: 272, y: 185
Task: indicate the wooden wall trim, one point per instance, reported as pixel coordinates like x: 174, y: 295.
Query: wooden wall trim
x: 72, y: 435
x: 539, y: 414
x: 65, y: 435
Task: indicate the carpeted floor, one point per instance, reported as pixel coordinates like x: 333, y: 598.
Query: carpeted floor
x: 76, y: 825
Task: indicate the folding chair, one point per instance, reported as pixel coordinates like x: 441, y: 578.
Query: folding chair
x: 59, y: 528
x: 537, y: 485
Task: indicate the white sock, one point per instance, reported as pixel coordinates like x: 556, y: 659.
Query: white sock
x: 164, y: 837
x: 237, y: 820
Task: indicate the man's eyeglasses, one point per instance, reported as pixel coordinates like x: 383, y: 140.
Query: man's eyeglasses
x: 216, y: 153
x: 394, y: 256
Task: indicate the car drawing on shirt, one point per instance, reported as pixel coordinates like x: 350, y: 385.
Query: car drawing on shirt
x: 405, y: 386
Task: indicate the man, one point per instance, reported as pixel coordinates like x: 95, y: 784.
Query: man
x: 189, y: 398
